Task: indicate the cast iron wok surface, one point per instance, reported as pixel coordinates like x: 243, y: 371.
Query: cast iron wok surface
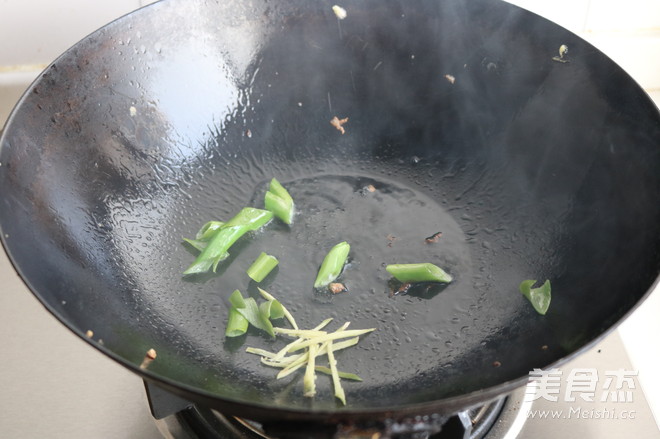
x: 182, y: 112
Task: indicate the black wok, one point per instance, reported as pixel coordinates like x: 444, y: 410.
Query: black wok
x: 532, y: 168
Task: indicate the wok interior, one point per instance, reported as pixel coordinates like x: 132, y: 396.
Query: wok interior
x: 181, y: 113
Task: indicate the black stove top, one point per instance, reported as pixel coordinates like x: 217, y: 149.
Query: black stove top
x: 178, y: 419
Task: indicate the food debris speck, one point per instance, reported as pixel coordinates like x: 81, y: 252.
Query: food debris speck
x: 300, y: 104
x: 433, y: 238
x: 403, y: 289
x: 89, y: 333
x: 338, y: 123
x: 336, y: 288
x: 370, y: 188
x: 148, y: 358
x: 132, y: 111
x: 544, y: 347
x: 391, y: 238
x: 562, y: 51
x: 248, y: 134
x: 450, y: 78
x: 496, y: 364
x: 339, y: 12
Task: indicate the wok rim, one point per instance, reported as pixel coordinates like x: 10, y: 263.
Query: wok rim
x: 259, y: 411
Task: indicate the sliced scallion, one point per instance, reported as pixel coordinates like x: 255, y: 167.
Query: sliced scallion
x: 204, y: 235
x: 278, y: 201
x: 208, y: 230
x: 287, y: 314
x: 277, y: 189
x: 216, y: 250
x: 236, y: 299
x: 418, y: 273
x: 261, y: 267
x: 254, y: 315
x: 539, y: 297
x: 271, y: 309
x: 237, y: 324
x: 332, y: 264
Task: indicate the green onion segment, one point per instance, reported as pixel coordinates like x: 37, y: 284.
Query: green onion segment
x: 287, y: 314
x: 261, y: 267
x: 225, y: 236
x: 204, y: 235
x: 257, y: 315
x: 236, y: 299
x: 418, y: 273
x: 278, y: 201
x: 539, y: 297
x: 332, y: 264
x: 237, y: 325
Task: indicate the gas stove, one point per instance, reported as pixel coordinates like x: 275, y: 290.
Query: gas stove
x: 497, y: 419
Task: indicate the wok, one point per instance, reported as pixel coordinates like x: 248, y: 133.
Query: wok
x: 179, y: 113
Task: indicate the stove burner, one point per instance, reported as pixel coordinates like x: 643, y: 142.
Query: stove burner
x: 494, y: 420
